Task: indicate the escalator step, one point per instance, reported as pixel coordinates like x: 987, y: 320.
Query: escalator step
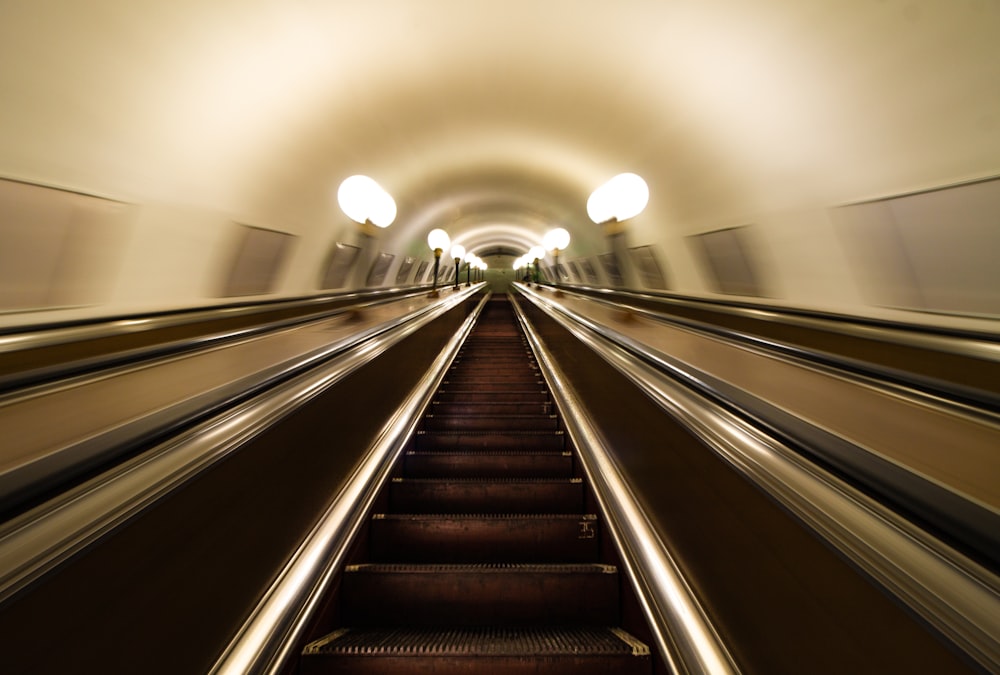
x: 494, y: 384
x: 492, y: 408
x: 488, y: 464
x: 481, y: 495
x: 480, y: 595
x: 435, y: 422
x: 499, y: 651
x: 468, y: 395
x: 484, y: 538
x: 510, y: 439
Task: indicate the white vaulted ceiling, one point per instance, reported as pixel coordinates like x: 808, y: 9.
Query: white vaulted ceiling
x: 496, y: 119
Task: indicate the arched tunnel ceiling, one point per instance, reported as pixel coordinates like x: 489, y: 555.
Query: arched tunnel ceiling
x: 496, y: 119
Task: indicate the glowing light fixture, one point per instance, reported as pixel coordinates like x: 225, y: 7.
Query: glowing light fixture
x: 364, y: 200
x: 621, y: 198
x: 556, y: 240
x: 438, y: 240
x: 457, y: 253
x: 470, y: 261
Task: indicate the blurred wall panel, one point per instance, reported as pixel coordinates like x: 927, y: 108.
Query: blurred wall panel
x: 378, y: 270
x: 730, y: 260
x: 339, y: 263
x: 58, y: 248
x: 257, y: 260
x: 405, y: 267
x: 931, y: 251
x: 421, y: 272
x: 650, y: 271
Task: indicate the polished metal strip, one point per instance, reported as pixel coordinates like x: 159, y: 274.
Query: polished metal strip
x: 41, y: 539
x: 42, y: 468
x: 56, y: 336
x: 974, y: 523
x: 948, y: 590
x: 275, y: 627
x: 961, y: 342
x: 685, y: 637
x: 936, y: 390
x: 33, y: 337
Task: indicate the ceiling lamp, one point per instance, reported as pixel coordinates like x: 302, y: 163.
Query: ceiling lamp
x: 438, y: 240
x: 364, y: 201
x: 621, y: 198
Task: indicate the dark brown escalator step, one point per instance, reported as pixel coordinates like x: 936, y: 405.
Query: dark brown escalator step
x: 437, y: 422
x: 472, y: 395
x: 513, y: 439
x: 482, y: 495
x: 491, y: 362
x: 483, y: 538
x: 479, y: 595
x: 493, y: 382
x: 500, y: 374
x: 494, y: 385
x: 498, y: 651
x: 492, y: 408
x: 488, y: 464
x: 489, y: 357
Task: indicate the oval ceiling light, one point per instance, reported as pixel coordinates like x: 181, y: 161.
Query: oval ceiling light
x: 556, y: 240
x: 438, y: 240
x: 621, y: 198
x: 364, y: 200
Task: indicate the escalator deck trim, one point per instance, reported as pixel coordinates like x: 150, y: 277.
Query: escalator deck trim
x: 486, y: 641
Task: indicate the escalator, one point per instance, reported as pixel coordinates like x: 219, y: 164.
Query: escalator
x: 487, y: 555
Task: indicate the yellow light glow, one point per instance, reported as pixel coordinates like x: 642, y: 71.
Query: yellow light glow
x: 438, y: 240
x: 556, y: 240
x: 362, y: 199
x: 621, y: 198
x: 457, y: 251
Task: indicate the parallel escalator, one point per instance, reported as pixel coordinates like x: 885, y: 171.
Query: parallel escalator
x: 487, y: 557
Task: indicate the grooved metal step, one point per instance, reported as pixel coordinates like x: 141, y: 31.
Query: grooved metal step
x: 466, y: 394
x: 480, y: 595
x: 488, y: 463
x: 484, y: 538
x: 439, y: 408
x: 493, y: 384
x: 509, y: 439
x: 484, y: 495
x: 495, y: 650
x: 434, y: 422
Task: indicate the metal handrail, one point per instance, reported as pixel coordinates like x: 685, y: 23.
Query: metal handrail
x: 40, y: 540
x: 979, y: 346
x: 30, y: 478
x: 46, y: 335
x: 947, y: 589
x: 685, y: 637
x: 38, y: 338
x: 276, y: 625
x: 960, y: 341
x: 974, y: 523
